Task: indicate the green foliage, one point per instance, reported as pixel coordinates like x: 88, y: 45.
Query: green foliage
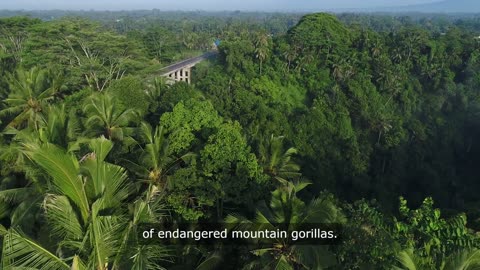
x: 159, y: 43
x: 276, y: 163
x: 130, y: 93
x: 105, y: 116
x: 20, y: 252
x: 275, y: 94
x: 368, y: 241
x: 418, y: 239
x: 465, y: 259
x: 433, y: 236
x: 227, y: 161
x: 326, y: 136
x: 85, y: 217
x: 237, y: 56
x: 30, y: 91
x: 94, y: 143
x: 187, y: 119
x: 322, y: 33
x: 172, y: 95
x: 287, y: 212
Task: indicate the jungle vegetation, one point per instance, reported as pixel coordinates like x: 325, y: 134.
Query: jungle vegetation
x: 369, y: 121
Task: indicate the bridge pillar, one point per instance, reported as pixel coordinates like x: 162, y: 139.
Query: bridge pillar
x: 180, y: 75
x: 185, y: 74
x: 182, y: 70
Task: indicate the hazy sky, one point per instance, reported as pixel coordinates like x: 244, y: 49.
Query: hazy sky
x: 271, y: 5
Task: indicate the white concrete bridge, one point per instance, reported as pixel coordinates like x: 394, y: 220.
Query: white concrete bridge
x: 182, y: 71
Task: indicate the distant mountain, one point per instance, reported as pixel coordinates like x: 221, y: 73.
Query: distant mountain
x: 446, y: 6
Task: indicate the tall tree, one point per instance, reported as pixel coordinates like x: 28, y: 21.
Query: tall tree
x: 105, y: 116
x: 277, y: 162
x: 288, y: 212
x: 156, y: 159
x: 84, y: 209
x: 30, y: 92
x: 262, y: 48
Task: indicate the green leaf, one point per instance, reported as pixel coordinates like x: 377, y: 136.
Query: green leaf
x: 101, y: 147
x: 20, y: 252
x: 282, y: 264
x: 64, y: 171
x: 62, y: 217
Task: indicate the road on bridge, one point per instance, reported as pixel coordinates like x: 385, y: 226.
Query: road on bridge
x: 187, y: 62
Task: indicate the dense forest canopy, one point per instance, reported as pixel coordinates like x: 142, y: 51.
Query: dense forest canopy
x: 370, y: 121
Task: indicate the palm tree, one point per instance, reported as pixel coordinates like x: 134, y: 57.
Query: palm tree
x: 376, y: 48
x: 19, y: 251
x: 189, y: 40
x: 21, y: 205
x: 462, y: 260
x: 287, y: 212
x: 276, y: 162
x: 262, y: 48
x: 156, y: 88
x: 83, y: 206
x: 148, y: 208
x: 23, y: 201
x: 58, y: 126
x: 105, y: 116
x: 290, y: 56
x: 30, y: 92
x: 156, y: 159
x: 410, y: 261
